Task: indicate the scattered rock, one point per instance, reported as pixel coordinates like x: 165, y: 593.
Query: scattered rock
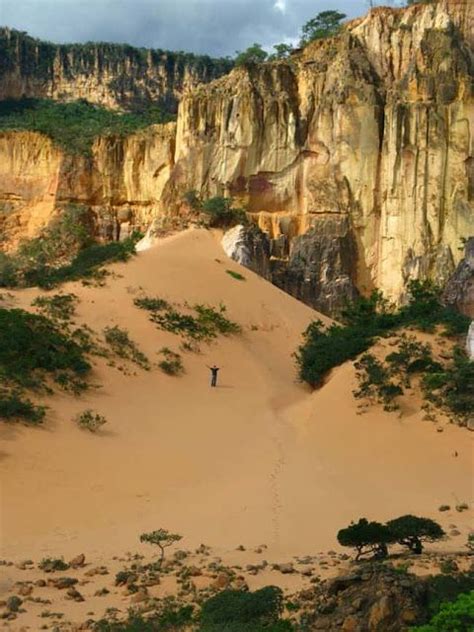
x: 78, y: 561
x: 222, y: 581
x: 140, y: 596
x: 62, y: 582
x: 74, y: 594
x: 102, y: 592
x: 284, y: 568
x: 25, y: 590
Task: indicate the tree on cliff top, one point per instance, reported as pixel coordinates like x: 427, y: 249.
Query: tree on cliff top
x: 252, y: 55
x: 325, y: 24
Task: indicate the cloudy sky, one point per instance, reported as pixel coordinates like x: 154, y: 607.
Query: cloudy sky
x: 217, y: 27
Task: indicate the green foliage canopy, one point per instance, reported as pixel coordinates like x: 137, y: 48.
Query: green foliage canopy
x: 325, y: 24
x: 412, y: 531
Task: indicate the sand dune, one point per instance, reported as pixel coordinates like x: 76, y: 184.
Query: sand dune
x: 258, y: 460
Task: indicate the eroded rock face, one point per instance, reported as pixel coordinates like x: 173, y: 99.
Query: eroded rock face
x: 250, y: 247
x: 113, y: 75
x: 470, y: 341
x: 355, y: 157
x: 320, y: 268
x: 374, y: 126
x: 459, y: 290
x: 120, y: 184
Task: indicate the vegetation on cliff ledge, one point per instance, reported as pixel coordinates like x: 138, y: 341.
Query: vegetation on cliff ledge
x: 63, y: 252
x: 74, y: 126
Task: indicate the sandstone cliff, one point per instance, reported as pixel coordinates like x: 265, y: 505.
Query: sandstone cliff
x: 121, y: 183
x: 112, y: 75
x: 355, y: 157
x: 372, y: 128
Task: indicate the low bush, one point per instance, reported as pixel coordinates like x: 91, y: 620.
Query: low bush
x: 250, y: 610
x: 58, y: 307
x: 221, y: 213
x: 172, y: 363
x: 235, y: 275
x: 452, y: 386
x: 14, y: 406
x: 206, y: 324
x: 324, y: 348
x: 171, y: 618
x: 32, y: 346
x: 455, y: 616
x: 121, y: 344
x: 52, y: 564
x: 90, y: 420
x: 151, y: 304
x: 375, y: 382
x: 364, y: 320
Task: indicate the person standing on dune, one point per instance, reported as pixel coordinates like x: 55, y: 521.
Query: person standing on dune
x: 214, y: 370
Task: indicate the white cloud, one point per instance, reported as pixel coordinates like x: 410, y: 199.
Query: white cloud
x: 280, y: 5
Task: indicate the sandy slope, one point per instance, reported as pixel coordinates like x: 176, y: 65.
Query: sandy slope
x: 258, y: 460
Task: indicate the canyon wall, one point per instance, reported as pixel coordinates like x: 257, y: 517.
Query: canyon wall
x: 373, y: 129
x: 112, y: 75
x: 355, y: 157
x: 121, y: 183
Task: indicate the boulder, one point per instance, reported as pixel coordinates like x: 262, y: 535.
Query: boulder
x: 250, y: 247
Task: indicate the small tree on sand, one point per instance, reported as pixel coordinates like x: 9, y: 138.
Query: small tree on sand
x: 366, y: 537
x: 162, y: 538
x: 412, y: 531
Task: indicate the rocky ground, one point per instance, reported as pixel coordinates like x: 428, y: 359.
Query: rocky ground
x: 327, y: 590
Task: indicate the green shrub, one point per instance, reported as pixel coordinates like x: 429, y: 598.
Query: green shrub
x: 425, y: 309
x: 375, y: 382
x: 14, y: 406
x: 151, y: 304
x: 52, y: 564
x: 84, y: 265
x: 222, y: 214
x: 206, y: 325
x: 75, y: 125
x: 90, y: 420
x: 456, y: 616
x: 172, y: 618
x: 367, y: 318
x: 172, y: 363
x: 235, y: 607
x: 31, y: 346
x: 235, y: 275
x: 58, y: 306
x: 121, y: 344
x: 323, y: 349
x: 452, y: 386
x: 446, y: 587
x: 411, y: 357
